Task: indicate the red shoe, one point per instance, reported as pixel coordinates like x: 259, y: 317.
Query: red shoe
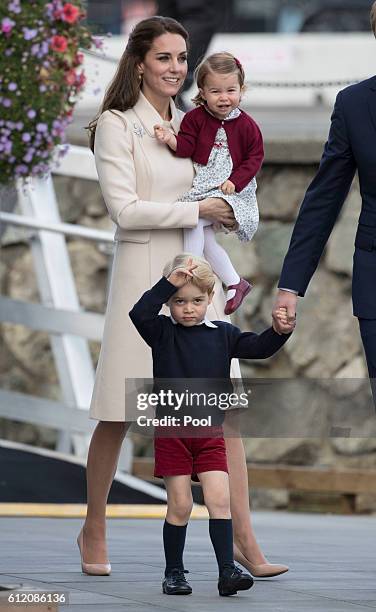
x: 242, y: 289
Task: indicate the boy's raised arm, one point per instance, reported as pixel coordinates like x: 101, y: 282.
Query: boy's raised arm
x: 145, y: 313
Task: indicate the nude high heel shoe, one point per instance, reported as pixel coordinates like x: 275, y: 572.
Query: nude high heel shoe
x: 261, y: 570
x: 92, y: 569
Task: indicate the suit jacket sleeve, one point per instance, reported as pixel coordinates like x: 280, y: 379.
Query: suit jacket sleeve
x: 248, y: 345
x: 186, y: 140
x: 250, y: 166
x: 145, y: 313
x: 321, y: 205
x: 117, y: 177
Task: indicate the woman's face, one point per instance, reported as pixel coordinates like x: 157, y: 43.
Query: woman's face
x: 165, y: 66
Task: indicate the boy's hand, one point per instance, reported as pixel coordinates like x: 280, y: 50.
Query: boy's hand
x: 228, y: 187
x: 288, y: 300
x: 284, y: 325
x: 181, y: 276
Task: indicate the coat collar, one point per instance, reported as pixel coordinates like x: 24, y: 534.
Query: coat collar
x: 149, y: 116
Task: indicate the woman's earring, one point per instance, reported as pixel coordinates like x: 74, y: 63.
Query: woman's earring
x: 140, y: 77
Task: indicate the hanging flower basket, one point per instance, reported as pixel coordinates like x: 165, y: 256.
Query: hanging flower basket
x: 41, y: 79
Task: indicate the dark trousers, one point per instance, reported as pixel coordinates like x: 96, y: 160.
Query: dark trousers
x: 368, y: 335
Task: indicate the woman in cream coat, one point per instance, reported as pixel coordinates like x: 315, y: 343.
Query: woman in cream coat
x: 141, y: 181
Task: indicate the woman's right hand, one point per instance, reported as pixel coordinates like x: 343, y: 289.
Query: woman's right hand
x: 217, y: 210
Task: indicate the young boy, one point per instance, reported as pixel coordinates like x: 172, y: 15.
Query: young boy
x: 187, y: 345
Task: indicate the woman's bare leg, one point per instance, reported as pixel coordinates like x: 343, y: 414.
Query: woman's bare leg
x: 244, y: 536
x: 102, y: 462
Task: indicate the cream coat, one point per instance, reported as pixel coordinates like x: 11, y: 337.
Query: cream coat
x: 141, y: 181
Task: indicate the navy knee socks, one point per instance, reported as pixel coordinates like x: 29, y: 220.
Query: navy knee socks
x: 173, y: 542
x: 220, y: 531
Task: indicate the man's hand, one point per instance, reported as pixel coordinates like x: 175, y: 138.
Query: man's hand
x: 286, y: 323
x: 181, y: 276
x: 228, y: 187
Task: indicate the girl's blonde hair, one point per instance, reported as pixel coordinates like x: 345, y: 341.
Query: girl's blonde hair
x: 220, y: 63
x: 203, y: 275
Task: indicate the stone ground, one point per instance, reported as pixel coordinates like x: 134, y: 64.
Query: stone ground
x: 331, y: 559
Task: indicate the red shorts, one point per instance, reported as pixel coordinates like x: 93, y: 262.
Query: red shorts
x: 180, y: 456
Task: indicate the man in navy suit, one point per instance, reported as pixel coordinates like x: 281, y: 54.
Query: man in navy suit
x: 351, y: 146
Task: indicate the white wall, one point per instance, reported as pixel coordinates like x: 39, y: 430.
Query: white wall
x: 267, y: 57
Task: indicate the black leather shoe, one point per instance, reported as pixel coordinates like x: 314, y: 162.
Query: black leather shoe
x: 176, y: 584
x: 232, y: 580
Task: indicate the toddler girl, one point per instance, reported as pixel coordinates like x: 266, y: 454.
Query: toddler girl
x: 226, y: 146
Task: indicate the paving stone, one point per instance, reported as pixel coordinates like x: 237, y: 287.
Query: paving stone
x: 331, y: 561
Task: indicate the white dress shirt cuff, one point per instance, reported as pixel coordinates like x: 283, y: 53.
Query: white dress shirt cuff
x: 289, y: 290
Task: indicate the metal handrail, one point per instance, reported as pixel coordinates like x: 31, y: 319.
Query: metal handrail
x: 250, y: 83
x: 39, y: 317
x: 59, y: 314
x: 68, y: 229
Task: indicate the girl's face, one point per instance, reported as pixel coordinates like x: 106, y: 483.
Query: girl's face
x: 164, y: 67
x: 222, y: 93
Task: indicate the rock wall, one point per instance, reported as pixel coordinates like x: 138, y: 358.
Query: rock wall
x: 325, y: 344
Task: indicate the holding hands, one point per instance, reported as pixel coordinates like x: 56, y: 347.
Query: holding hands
x: 284, y: 312
x: 283, y: 326
x: 181, y: 276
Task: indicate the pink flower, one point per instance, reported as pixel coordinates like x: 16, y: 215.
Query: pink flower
x: 7, y: 25
x: 70, y: 77
x: 59, y: 44
x: 81, y: 80
x: 70, y: 13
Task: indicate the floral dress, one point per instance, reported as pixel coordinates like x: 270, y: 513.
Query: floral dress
x: 218, y: 169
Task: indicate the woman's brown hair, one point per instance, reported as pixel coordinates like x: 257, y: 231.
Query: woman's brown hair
x: 124, y: 89
x: 222, y: 63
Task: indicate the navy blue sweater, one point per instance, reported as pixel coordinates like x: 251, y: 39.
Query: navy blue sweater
x: 199, y: 351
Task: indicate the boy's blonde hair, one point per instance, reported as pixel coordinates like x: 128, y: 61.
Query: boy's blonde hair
x: 203, y: 275
x: 373, y: 18
x: 222, y: 63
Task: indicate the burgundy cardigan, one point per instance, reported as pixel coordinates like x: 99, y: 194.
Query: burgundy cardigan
x: 197, y: 135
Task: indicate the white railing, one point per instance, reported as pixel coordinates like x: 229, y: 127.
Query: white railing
x: 59, y: 313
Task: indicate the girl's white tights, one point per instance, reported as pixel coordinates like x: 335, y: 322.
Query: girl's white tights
x: 200, y: 240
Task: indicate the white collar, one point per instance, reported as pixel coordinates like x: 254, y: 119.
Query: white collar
x: 205, y: 321
x: 234, y: 114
